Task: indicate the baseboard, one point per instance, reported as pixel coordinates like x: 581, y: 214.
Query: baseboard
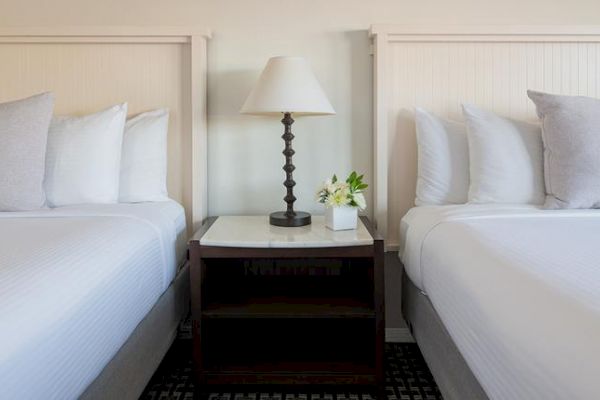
x: 392, y: 246
x: 398, y: 335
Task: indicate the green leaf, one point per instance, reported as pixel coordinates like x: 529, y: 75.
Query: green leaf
x: 334, y: 179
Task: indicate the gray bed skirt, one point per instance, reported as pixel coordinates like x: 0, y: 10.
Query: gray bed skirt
x: 450, y: 370
x: 129, y: 371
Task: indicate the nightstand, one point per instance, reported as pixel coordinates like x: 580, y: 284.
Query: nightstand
x: 275, y: 305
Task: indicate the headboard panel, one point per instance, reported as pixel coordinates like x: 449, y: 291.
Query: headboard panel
x: 439, y: 68
x: 92, y: 68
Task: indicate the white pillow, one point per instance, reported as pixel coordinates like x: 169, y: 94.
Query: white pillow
x: 83, y: 158
x: 506, y: 159
x: 23, y: 137
x: 144, y: 158
x: 443, y: 162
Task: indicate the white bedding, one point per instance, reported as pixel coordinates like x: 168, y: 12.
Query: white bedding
x: 518, y: 289
x: 74, y: 283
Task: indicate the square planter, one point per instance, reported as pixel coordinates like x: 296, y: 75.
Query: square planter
x: 341, y: 218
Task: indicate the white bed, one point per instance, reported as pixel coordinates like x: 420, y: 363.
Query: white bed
x: 90, y: 297
x: 518, y: 290
x: 512, y: 301
x: 74, y: 284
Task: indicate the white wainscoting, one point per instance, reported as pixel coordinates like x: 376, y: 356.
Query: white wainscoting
x: 439, y: 68
x: 91, y: 68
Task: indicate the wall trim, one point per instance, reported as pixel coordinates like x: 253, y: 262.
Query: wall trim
x: 392, y: 246
x: 398, y: 335
x: 106, y: 31
x: 486, y: 33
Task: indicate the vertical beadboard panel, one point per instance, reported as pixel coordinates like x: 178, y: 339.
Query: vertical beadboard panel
x: 592, y: 70
x: 441, y: 75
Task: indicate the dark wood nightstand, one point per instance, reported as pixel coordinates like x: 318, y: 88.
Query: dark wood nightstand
x: 275, y: 305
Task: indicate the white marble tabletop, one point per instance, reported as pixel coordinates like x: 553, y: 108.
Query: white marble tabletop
x: 255, y: 231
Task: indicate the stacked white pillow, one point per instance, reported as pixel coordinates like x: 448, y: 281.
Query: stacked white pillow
x: 83, y: 158
x: 99, y: 158
x: 506, y: 159
x: 486, y: 159
x: 443, y: 160
x: 143, y: 174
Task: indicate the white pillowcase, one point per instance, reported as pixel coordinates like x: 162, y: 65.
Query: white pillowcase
x: 144, y: 158
x: 23, y: 137
x: 83, y: 158
x: 443, y: 160
x: 506, y: 159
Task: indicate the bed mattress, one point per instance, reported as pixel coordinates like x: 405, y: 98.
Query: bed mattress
x: 74, y: 284
x: 518, y: 289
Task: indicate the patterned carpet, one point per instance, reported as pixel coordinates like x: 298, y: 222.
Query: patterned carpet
x: 407, y: 377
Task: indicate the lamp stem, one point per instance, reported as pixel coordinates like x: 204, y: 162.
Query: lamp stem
x: 289, y: 168
x: 289, y: 218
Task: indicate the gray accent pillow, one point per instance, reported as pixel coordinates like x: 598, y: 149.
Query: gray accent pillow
x: 23, y: 135
x: 571, y: 136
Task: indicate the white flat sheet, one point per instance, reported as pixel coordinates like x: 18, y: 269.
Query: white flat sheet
x: 74, y: 284
x: 518, y: 289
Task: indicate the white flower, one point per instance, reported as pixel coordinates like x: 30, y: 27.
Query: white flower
x: 339, y: 198
x: 360, y: 201
x: 341, y: 193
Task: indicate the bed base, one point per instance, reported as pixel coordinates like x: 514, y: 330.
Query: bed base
x: 453, y: 376
x: 130, y: 370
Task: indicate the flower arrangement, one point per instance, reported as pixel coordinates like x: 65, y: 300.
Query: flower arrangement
x: 335, y: 193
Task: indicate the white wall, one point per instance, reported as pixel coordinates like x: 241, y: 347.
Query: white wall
x: 245, y: 152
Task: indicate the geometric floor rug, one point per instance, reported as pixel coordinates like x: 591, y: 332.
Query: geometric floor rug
x: 407, y: 378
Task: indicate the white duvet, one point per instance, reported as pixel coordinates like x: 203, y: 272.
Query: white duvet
x: 74, y: 284
x: 518, y: 289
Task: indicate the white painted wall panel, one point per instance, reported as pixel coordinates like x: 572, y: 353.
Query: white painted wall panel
x: 98, y: 67
x: 440, y: 74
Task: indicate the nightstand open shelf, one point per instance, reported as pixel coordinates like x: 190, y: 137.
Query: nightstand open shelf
x: 322, y: 350
x: 298, y: 315
x: 286, y: 307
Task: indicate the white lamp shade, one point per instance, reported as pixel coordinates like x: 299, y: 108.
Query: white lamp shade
x: 287, y: 84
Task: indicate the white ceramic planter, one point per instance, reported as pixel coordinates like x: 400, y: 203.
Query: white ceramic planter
x: 341, y: 218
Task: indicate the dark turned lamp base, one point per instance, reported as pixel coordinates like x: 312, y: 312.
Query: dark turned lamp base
x: 281, y: 218
x: 289, y: 218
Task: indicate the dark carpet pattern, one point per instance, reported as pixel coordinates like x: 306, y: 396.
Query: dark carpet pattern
x: 407, y: 378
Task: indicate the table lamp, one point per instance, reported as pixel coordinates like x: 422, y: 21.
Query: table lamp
x: 288, y: 86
